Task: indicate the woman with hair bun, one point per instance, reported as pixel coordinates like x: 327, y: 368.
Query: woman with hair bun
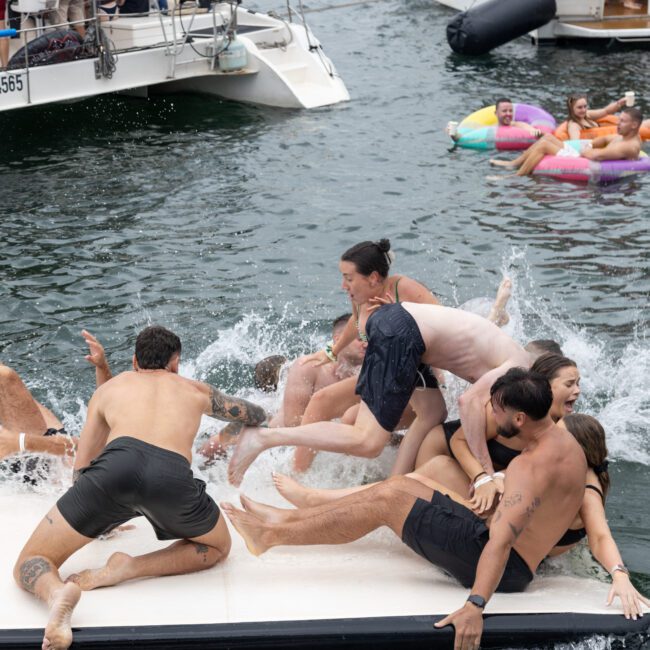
x: 365, y: 271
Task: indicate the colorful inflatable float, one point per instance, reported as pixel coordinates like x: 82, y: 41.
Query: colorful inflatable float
x: 582, y: 170
x: 481, y: 131
x: 606, y: 126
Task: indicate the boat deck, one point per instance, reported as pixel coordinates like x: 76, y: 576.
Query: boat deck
x: 374, y: 588
x: 613, y: 23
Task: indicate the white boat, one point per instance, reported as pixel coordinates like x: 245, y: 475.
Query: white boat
x: 374, y: 592
x: 585, y: 20
x: 225, y: 50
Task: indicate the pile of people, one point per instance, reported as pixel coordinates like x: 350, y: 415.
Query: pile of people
x: 518, y: 478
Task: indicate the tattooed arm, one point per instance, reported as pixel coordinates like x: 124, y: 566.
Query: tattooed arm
x: 515, y: 510
x: 233, y: 409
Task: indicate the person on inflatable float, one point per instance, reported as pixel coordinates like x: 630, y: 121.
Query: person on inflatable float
x: 504, y: 110
x: 582, y: 117
x: 625, y: 145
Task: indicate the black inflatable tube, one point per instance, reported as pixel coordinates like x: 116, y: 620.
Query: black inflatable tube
x: 384, y: 633
x: 490, y: 24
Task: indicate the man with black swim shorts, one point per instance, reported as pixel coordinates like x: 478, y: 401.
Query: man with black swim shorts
x: 403, y: 341
x: 544, y: 488
x: 133, y: 459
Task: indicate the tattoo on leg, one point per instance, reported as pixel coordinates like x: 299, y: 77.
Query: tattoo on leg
x: 49, y: 519
x: 31, y: 571
x: 235, y: 409
x: 202, y: 548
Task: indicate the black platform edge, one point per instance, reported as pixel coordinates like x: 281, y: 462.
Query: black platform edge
x: 501, y: 630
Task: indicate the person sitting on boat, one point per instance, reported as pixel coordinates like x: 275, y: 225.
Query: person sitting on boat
x: 303, y: 380
x: 504, y: 111
x: 445, y: 457
x: 625, y: 145
x: 544, y: 490
x: 133, y: 459
x: 28, y: 425
x: 404, y: 341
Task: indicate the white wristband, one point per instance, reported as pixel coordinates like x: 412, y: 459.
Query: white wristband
x: 500, y: 475
x: 21, y: 442
x: 482, y: 481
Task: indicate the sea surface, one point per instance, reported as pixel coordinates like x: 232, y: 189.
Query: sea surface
x: 225, y: 223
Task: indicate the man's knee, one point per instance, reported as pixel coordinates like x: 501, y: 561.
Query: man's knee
x: 8, y: 375
x: 370, y: 444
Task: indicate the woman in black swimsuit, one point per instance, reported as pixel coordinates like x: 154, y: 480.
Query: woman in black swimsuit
x: 591, y: 520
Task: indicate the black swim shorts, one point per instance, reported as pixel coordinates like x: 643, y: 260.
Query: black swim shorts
x: 132, y: 478
x: 452, y: 537
x: 392, y: 368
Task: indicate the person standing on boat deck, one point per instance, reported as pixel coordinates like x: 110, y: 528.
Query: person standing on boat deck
x: 544, y: 489
x: 134, y: 459
x: 69, y: 10
x: 303, y: 380
x: 505, y: 111
x: 626, y: 145
x: 27, y: 425
x: 404, y: 340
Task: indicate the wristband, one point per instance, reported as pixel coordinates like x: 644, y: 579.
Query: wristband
x: 329, y: 352
x: 482, y: 481
x: 500, y: 475
x: 479, y: 474
x: 21, y: 442
x: 619, y: 567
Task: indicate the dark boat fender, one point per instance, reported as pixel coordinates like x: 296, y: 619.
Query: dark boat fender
x: 51, y: 47
x: 490, y: 24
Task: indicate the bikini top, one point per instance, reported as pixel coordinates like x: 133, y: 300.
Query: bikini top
x: 574, y: 535
x: 362, y: 335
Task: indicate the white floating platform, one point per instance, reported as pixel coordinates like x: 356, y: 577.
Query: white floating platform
x: 372, y: 592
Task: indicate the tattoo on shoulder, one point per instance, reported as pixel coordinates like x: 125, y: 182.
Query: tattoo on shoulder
x: 31, y: 571
x: 234, y: 409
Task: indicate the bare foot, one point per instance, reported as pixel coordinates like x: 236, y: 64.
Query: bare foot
x: 629, y: 4
x: 303, y: 457
x: 248, y: 526
x: 508, y: 164
x: 58, y: 633
x: 292, y: 491
x: 249, y: 446
x: 266, y: 513
x: 115, y: 571
x: 498, y: 313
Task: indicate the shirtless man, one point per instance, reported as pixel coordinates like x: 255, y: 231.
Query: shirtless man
x: 625, y: 145
x: 27, y: 425
x: 544, y: 489
x: 139, y: 433
x: 303, y: 380
x: 505, y: 111
x: 403, y: 339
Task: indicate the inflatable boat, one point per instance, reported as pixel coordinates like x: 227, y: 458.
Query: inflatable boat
x: 480, y: 130
x: 606, y: 126
x: 372, y: 593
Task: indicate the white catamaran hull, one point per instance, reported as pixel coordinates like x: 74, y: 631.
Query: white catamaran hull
x: 286, y: 66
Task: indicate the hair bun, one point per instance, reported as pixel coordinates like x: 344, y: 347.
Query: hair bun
x: 383, y: 245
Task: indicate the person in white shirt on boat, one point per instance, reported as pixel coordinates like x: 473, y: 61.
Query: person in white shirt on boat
x: 133, y: 458
x: 26, y: 425
x: 626, y: 145
x: 544, y: 490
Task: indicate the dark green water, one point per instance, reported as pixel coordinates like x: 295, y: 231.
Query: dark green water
x: 225, y: 223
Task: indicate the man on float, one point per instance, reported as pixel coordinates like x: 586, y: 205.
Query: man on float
x: 625, y: 145
x: 505, y: 111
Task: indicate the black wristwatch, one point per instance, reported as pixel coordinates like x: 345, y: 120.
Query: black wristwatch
x: 479, y: 601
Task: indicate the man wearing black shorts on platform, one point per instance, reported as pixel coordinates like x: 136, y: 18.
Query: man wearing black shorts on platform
x: 136, y: 446
x: 544, y: 488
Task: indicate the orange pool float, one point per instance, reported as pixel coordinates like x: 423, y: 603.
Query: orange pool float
x: 607, y: 126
